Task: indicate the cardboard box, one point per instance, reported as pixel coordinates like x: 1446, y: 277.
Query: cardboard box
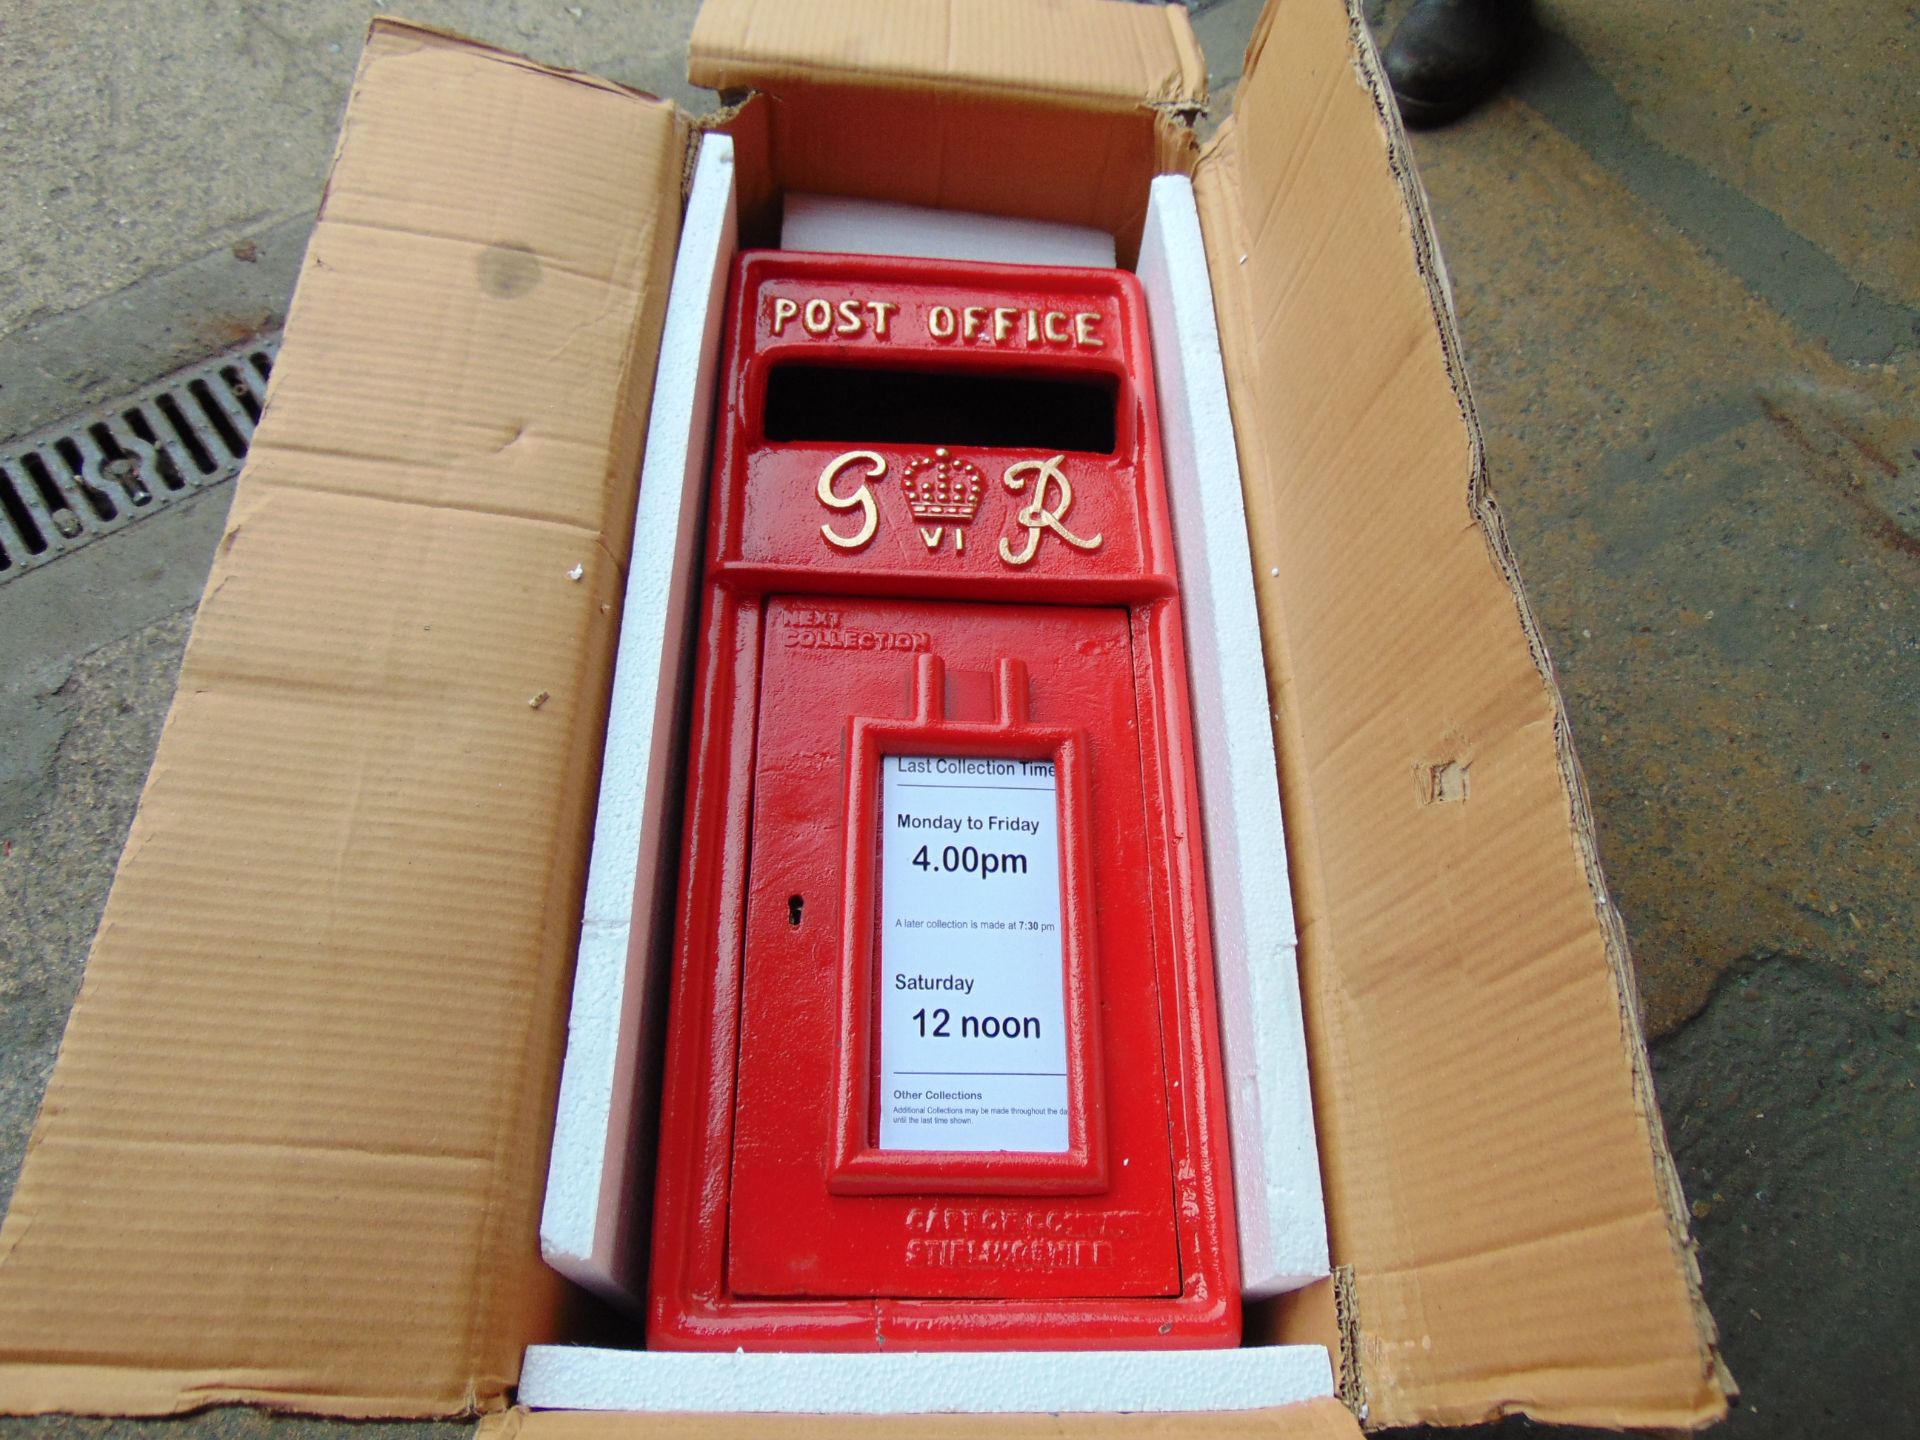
x: 293, y: 1149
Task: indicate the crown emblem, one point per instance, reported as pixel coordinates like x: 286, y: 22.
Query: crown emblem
x: 940, y: 487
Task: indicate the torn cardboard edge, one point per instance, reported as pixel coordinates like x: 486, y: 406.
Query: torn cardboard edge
x: 1430, y: 261
x: 1134, y: 60
x: 417, y: 34
x: 1576, y: 1393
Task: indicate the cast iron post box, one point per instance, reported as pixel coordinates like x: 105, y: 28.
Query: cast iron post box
x: 942, y: 1066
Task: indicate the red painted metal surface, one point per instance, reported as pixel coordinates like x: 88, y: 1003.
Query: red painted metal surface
x: 957, y: 588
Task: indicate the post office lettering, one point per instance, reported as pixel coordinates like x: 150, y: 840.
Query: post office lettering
x: 1001, y: 326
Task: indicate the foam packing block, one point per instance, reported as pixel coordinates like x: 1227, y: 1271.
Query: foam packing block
x: 966, y: 1382
x: 593, y: 1227
x: 1276, y: 1165
x: 878, y: 227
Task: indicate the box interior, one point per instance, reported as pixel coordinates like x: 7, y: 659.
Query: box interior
x: 593, y: 1224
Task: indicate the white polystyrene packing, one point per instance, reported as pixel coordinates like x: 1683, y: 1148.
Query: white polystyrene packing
x: 1276, y: 1162
x: 878, y: 227
x: 597, y: 1180
x: 571, y: 1377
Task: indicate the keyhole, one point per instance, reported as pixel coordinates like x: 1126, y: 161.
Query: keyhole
x: 795, y: 906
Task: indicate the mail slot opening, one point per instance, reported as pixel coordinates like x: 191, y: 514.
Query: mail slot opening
x: 848, y: 404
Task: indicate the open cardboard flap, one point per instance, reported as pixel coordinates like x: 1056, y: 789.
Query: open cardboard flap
x: 1501, y: 1200
x: 292, y: 1149
x: 294, y: 1145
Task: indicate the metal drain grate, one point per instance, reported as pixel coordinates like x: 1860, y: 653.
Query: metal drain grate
x: 99, y: 472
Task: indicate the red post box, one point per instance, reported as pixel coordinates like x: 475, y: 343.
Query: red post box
x: 942, y: 1065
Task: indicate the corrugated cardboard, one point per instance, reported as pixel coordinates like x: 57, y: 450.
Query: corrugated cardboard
x: 292, y: 1148
x: 1315, y: 1420
x: 1498, y: 1182
x: 292, y: 1151
x: 1055, y: 111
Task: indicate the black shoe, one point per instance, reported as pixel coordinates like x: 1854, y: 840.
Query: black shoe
x: 1449, y: 55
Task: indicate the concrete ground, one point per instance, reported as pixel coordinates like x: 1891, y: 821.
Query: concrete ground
x: 1684, y: 251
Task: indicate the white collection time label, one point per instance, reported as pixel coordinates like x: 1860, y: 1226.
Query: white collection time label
x: 973, y: 1039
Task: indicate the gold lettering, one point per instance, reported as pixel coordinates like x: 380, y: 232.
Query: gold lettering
x: 1038, y: 515
x: 940, y: 323
x: 970, y: 319
x: 1002, y: 323
x: 881, y: 309
x: 861, y: 499
x: 1083, y: 323
x: 850, y: 321
x: 1063, y: 337
x: 783, y: 311
x: 932, y: 537
x: 1033, y: 327
x: 817, y: 317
